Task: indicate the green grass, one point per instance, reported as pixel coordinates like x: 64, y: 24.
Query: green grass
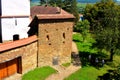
x: 66, y: 64
x: 39, y: 73
x: 86, y: 45
x: 88, y: 73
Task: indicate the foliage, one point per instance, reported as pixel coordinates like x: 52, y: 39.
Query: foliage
x: 88, y: 72
x: 105, y: 21
x: 84, y: 46
x: 43, y: 2
x: 83, y: 28
x: 111, y: 75
x: 71, y: 6
x: 39, y: 73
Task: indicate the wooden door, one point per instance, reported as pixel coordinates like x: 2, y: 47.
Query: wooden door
x: 3, y: 70
x: 12, y: 67
x: 8, y: 68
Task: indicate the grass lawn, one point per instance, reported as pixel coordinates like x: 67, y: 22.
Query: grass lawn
x: 39, y: 73
x: 86, y: 45
x: 88, y: 72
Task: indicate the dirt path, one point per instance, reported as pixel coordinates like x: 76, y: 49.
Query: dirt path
x: 62, y: 71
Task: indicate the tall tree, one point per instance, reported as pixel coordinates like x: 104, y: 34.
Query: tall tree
x: 105, y: 21
x: 71, y: 6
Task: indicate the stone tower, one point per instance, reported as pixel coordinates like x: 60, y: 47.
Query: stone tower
x: 54, y: 32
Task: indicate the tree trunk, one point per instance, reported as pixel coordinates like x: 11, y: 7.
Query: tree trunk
x: 111, y: 55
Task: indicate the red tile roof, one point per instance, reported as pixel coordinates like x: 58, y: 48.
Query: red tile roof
x: 17, y: 43
x: 49, y: 12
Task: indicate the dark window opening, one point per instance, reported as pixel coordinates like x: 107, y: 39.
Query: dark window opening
x: 67, y: 28
x: 64, y: 35
x: 63, y: 42
x: 47, y: 37
x: 49, y: 43
x: 15, y: 22
x: 56, y: 29
x: 15, y: 37
x: 46, y: 31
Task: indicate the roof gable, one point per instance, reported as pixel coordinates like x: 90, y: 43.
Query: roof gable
x: 49, y: 12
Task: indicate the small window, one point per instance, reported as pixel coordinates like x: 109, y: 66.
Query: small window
x: 15, y: 22
x: 67, y: 28
x: 50, y: 44
x: 64, y: 35
x: 47, y: 38
x: 46, y: 31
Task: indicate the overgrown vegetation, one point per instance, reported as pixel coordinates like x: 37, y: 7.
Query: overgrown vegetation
x: 39, y: 73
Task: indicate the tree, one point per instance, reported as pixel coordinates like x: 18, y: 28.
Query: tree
x: 55, y: 3
x: 105, y: 21
x: 71, y: 6
x: 83, y: 27
x: 42, y: 2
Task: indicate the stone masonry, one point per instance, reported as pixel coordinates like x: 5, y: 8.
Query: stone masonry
x: 27, y: 52
x: 55, y: 41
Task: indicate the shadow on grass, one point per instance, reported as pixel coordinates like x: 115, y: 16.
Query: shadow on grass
x: 77, y: 40
x: 86, y: 61
x: 111, y: 75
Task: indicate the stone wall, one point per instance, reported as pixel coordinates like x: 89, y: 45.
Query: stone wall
x: 25, y: 48
x: 55, y: 41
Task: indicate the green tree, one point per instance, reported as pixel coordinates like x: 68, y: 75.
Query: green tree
x: 55, y: 3
x: 71, y: 6
x: 42, y: 2
x: 105, y: 21
x: 83, y: 27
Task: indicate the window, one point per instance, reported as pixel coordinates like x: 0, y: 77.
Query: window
x: 64, y: 35
x: 47, y: 38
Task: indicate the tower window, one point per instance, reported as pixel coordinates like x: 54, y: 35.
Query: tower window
x: 47, y: 37
x: 67, y: 28
x: 64, y: 35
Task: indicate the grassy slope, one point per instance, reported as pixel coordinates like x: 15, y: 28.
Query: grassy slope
x: 86, y: 45
x: 39, y: 73
x: 89, y: 72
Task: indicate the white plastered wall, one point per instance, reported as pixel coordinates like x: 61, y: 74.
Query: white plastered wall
x: 15, y: 7
x: 18, y: 11
x: 12, y: 26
